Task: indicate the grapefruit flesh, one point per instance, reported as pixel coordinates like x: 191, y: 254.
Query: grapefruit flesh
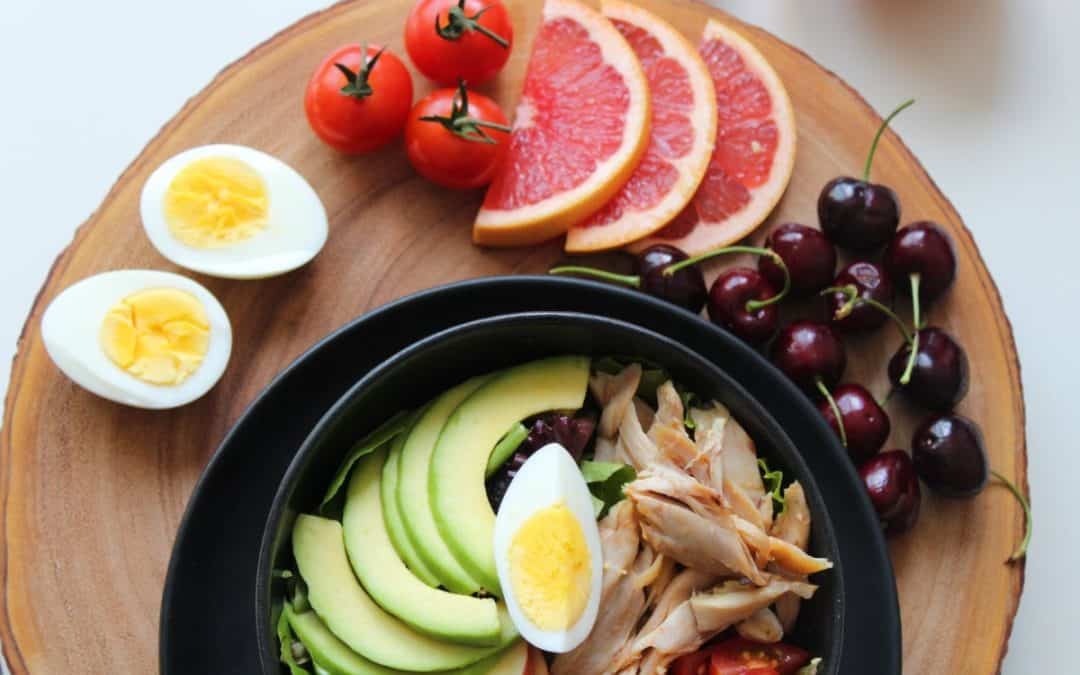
x: 681, y: 135
x: 754, y: 154
x: 579, y: 131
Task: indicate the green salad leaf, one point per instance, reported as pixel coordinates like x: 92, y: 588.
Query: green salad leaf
x: 388, y: 431
x: 688, y: 398
x: 606, y: 481
x: 289, y: 644
x: 774, y: 483
x: 811, y: 668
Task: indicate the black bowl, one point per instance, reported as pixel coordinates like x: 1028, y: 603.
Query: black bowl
x: 421, y: 372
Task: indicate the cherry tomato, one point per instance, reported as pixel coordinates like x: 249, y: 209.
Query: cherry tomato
x: 451, y: 40
x: 456, y: 138
x: 738, y: 656
x: 357, y: 104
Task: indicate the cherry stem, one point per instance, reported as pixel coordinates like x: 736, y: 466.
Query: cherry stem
x: 852, y: 299
x: 625, y: 279
x: 751, y: 305
x: 835, y: 409
x: 877, y: 137
x: 1022, y: 547
x: 906, y: 377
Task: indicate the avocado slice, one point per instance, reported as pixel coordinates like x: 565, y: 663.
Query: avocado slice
x: 456, y: 478
x: 412, y: 493
x: 460, y: 619
x: 354, y: 618
x: 394, y: 526
x: 332, y: 656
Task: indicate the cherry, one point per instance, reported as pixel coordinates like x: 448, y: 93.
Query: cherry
x: 949, y: 455
x: 684, y: 287
x: 863, y: 425
x: 860, y: 299
x: 735, y: 303
x: 923, y: 252
x: 857, y: 214
x: 893, y: 486
x: 809, y: 257
x: 809, y: 353
x: 936, y: 376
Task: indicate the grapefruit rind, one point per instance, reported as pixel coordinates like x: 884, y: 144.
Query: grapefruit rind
x: 553, y: 216
x: 764, y: 198
x: 635, y: 224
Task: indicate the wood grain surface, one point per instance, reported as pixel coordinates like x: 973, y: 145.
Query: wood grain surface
x: 92, y: 492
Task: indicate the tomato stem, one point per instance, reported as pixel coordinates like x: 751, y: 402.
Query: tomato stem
x: 881, y: 130
x: 356, y: 83
x: 459, y: 123
x: 625, y: 279
x: 458, y: 22
x: 1022, y: 547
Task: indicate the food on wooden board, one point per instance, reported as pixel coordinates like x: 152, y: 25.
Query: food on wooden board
x: 139, y: 337
x: 457, y: 138
x: 459, y: 40
x: 359, y: 98
x: 754, y: 154
x: 579, y: 130
x: 682, y: 135
x: 232, y: 211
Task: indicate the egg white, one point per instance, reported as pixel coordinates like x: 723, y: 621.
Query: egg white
x: 295, y: 232
x: 71, y: 330
x: 546, y: 478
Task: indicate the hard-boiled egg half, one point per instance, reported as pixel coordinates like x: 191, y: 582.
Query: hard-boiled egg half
x: 139, y: 337
x: 547, y: 552
x: 232, y: 211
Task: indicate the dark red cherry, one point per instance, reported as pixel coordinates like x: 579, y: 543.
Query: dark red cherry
x: 893, y: 486
x: 870, y: 283
x: 808, y: 255
x: 858, y: 215
x: 939, y: 375
x: 729, y: 298
x: 949, y: 455
x: 924, y: 249
x: 685, y: 288
x: 809, y: 351
x: 866, y: 424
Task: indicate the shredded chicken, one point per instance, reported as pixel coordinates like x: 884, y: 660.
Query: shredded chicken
x: 686, y: 520
x: 616, y: 394
x: 762, y: 625
x: 694, y: 549
x: 792, y: 526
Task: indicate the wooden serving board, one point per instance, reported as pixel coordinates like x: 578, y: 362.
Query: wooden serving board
x: 92, y: 492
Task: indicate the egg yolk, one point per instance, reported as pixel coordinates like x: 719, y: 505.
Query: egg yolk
x: 160, y: 336
x: 550, y: 568
x: 216, y: 201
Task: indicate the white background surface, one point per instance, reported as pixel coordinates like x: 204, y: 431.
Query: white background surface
x: 86, y: 84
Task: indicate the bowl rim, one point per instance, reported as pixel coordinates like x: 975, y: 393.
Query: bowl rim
x: 392, y: 367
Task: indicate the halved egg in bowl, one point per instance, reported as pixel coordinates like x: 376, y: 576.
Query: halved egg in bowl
x: 232, y: 211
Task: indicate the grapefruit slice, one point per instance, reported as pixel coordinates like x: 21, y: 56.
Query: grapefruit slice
x: 754, y: 154
x: 579, y: 131
x: 680, y: 138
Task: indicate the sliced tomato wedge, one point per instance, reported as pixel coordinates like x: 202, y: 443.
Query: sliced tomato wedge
x: 692, y: 664
x: 743, y: 657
